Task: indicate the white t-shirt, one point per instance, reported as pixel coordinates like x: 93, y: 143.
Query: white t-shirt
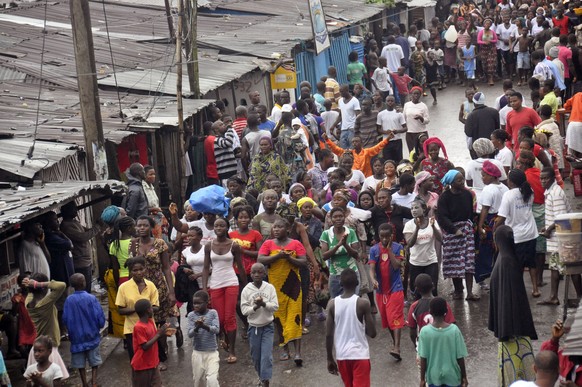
x: 370, y: 182
x: 523, y: 383
x: 391, y: 120
x: 403, y: 200
x: 350, y: 111
x: 48, y: 375
x: 491, y: 196
x: 329, y: 118
x: 195, y: 261
x: 504, y: 33
x: 518, y: 215
x: 505, y: 156
x: 503, y: 114
x: 393, y: 54
x: 423, y: 253
x: 358, y: 178
x: 473, y: 172
x: 380, y: 77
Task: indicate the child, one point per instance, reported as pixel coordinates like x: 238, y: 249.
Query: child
x: 386, y: 259
x: 467, y: 107
x: 258, y: 302
x: 569, y: 363
x: 442, y: 350
x: 349, y: 321
x: 417, y: 60
x: 401, y: 81
x: 523, y: 55
x: 203, y: 328
x: 380, y: 79
x: 84, y: 318
x: 468, y: 55
x: 356, y: 70
x: 43, y: 373
x: 418, y: 314
x: 432, y: 76
x: 438, y: 57
x: 129, y: 293
x: 40, y: 304
x: 144, y: 364
x: 329, y: 118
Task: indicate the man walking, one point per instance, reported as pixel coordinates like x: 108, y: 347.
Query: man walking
x: 481, y: 122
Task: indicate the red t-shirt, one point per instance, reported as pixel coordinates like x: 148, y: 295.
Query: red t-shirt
x: 211, y: 168
x: 419, y: 315
x: 247, y: 241
x: 517, y: 120
x: 239, y: 126
x: 144, y: 360
x: 533, y: 178
x: 562, y: 24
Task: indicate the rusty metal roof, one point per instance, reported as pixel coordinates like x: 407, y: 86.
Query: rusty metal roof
x: 18, y: 205
x: 13, y: 157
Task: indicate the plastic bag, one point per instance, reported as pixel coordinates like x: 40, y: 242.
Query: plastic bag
x: 211, y: 200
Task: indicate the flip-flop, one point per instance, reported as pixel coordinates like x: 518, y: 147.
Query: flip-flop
x: 162, y: 367
x: 535, y: 295
x: 284, y: 356
x: 395, y: 355
x: 224, y: 345
x: 231, y: 359
x: 472, y: 297
x: 549, y: 302
x: 298, y: 361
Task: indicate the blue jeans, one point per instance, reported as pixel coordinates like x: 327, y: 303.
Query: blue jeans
x: 335, y: 289
x: 261, y: 343
x: 346, y: 138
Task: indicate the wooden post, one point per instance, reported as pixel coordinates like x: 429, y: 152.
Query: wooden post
x: 180, y: 161
x: 193, y: 69
x: 88, y: 90
x: 169, y: 19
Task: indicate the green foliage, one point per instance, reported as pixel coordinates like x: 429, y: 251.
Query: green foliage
x: 387, y: 3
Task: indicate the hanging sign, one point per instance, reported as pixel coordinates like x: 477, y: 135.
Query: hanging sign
x: 284, y: 77
x: 318, y: 26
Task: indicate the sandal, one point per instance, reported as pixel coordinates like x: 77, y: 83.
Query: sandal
x: 305, y: 331
x: 298, y: 361
x: 472, y: 297
x: 284, y: 356
x: 535, y: 294
x: 224, y: 345
x: 396, y: 355
x: 231, y: 359
x: 162, y: 367
x: 549, y: 301
x: 457, y: 296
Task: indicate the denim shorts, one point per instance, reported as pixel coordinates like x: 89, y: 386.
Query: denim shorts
x: 91, y: 356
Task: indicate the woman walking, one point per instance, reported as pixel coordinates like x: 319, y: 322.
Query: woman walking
x: 487, y: 38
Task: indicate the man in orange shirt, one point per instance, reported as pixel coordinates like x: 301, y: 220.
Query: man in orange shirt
x: 362, y: 156
x: 574, y: 131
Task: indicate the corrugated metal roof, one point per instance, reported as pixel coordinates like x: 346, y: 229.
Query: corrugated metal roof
x: 213, y: 75
x: 17, y: 206
x: 165, y: 110
x: 13, y: 157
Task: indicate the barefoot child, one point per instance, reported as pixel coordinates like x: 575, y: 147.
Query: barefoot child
x: 349, y: 320
x: 258, y: 303
x: 43, y: 373
x: 84, y: 318
x: 442, y: 350
x: 144, y: 364
x: 523, y: 56
x: 386, y: 259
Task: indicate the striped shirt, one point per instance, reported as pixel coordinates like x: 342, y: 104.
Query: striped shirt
x: 556, y: 204
x: 203, y: 340
x: 332, y: 92
x: 239, y: 126
x: 223, y: 153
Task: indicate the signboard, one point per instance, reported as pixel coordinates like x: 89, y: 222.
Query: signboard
x: 284, y: 77
x: 318, y: 26
x: 8, y: 288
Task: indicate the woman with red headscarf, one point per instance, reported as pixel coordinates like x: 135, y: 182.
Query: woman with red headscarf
x: 433, y: 163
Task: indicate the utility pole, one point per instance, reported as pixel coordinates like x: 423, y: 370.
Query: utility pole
x: 179, y: 94
x: 192, y: 49
x: 88, y: 90
x: 169, y: 19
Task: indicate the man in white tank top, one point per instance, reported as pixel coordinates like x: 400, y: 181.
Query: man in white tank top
x: 349, y: 320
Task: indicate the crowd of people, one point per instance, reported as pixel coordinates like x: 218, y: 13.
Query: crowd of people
x: 340, y: 206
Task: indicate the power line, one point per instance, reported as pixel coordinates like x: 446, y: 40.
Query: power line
x: 112, y: 60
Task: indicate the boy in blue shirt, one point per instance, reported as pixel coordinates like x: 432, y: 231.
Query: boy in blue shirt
x: 84, y: 318
x: 386, y: 260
